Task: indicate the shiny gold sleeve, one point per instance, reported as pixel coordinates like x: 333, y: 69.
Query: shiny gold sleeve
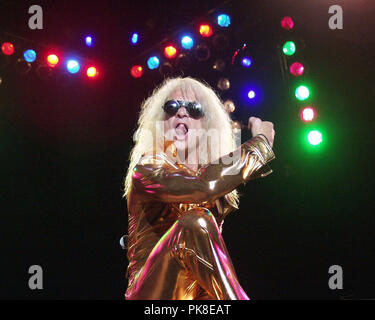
x: 156, y: 177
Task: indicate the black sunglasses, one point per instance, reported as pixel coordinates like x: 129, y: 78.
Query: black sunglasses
x: 194, y: 109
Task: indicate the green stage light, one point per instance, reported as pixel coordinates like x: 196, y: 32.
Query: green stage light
x: 289, y: 48
x: 302, y: 93
x: 315, y: 137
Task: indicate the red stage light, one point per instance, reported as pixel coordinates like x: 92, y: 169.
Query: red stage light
x: 136, y: 71
x: 205, y: 30
x: 308, y: 114
x: 170, y: 52
x: 7, y: 48
x: 52, y: 60
x: 296, y: 69
x: 92, y: 72
x: 287, y: 23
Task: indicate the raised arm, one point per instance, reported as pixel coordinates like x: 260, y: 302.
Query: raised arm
x: 157, y: 178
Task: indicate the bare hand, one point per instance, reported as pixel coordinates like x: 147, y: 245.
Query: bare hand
x: 257, y: 126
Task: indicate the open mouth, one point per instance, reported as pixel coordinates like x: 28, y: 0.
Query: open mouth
x: 181, y: 130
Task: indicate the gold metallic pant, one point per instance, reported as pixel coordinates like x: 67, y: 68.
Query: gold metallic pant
x: 189, y: 262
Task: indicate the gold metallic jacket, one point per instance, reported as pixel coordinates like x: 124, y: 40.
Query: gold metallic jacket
x: 175, y: 247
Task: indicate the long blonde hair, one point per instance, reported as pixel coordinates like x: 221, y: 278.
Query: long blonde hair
x: 216, y: 118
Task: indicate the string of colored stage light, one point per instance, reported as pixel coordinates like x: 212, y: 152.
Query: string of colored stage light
x: 302, y: 92
x: 224, y: 22
x: 27, y: 52
x: 171, y: 49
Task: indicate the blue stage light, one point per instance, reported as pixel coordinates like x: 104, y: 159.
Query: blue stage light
x: 89, y: 41
x: 135, y: 38
x: 29, y: 55
x: 153, y: 62
x: 187, y: 42
x: 251, y: 94
x: 72, y: 66
x: 223, y: 20
x: 246, y: 62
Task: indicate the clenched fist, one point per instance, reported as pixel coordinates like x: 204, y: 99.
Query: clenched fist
x: 257, y: 126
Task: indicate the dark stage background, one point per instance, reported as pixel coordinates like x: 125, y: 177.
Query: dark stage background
x: 65, y: 145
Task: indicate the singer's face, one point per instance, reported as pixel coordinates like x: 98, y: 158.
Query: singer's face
x: 181, y: 128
